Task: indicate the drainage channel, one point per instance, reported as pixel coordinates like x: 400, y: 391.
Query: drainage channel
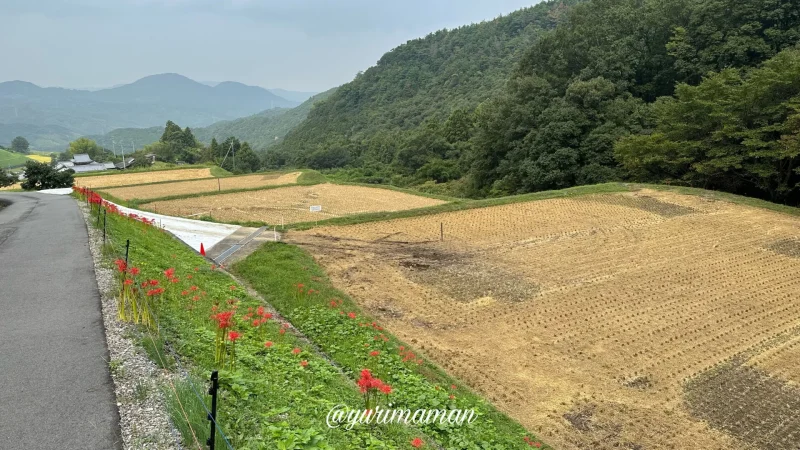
x: 235, y: 247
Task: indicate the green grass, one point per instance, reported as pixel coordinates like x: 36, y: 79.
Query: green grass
x: 275, y: 269
x: 188, y: 412
x: 268, y: 400
x: 157, y: 167
x: 11, y: 159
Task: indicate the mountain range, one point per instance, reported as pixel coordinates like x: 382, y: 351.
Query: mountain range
x: 261, y: 130
x: 50, y: 117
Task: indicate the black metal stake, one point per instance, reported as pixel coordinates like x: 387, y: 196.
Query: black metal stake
x: 127, y: 247
x: 104, y: 226
x: 212, y: 391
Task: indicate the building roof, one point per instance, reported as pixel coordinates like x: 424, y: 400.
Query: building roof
x: 128, y: 162
x: 93, y: 167
x: 82, y: 158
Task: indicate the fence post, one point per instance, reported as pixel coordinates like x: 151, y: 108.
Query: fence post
x: 441, y: 231
x: 104, y: 226
x: 127, y: 247
x: 212, y: 417
x: 219, y: 186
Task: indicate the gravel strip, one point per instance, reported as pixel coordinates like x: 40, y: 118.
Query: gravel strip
x: 144, y: 420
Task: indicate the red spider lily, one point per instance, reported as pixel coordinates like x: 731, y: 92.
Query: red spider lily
x: 194, y: 288
x: 267, y: 316
x: 333, y: 304
x: 233, y: 336
x: 134, y: 271
x: 153, y: 292
x: 260, y: 311
x: 374, y: 353
x: 417, y: 442
x: 184, y: 292
x: 224, y: 319
x: 121, y: 265
x: 453, y: 387
x: 304, y: 363
x: 169, y: 273
x: 256, y: 323
x: 452, y: 397
x: 351, y: 315
x: 175, y: 280
x: 128, y: 282
x: 213, y: 267
x: 282, y: 331
x: 196, y: 269
x: 233, y: 288
x: 531, y: 442
x: 296, y: 351
x: 189, y: 277
x: 268, y: 344
x: 153, y: 282
x: 285, y: 325
x: 386, y: 389
x: 196, y: 298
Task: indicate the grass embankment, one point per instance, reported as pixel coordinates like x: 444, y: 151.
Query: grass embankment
x: 269, y: 400
x: 158, y: 166
x: 275, y: 270
x: 11, y: 159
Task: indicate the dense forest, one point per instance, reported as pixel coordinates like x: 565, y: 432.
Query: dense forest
x: 424, y: 79
x: 694, y: 92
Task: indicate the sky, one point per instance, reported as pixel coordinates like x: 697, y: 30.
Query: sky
x: 302, y: 45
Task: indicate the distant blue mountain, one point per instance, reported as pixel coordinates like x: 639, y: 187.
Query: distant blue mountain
x: 148, y: 102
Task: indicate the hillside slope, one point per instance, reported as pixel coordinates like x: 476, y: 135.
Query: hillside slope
x: 426, y: 78
x: 260, y: 130
x: 147, y: 102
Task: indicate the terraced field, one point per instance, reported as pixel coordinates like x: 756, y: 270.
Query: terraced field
x: 126, y: 179
x: 203, y: 186
x: 292, y: 204
x: 646, y: 320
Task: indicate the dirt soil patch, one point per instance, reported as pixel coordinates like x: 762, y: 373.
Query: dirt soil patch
x: 202, y: 186
x: 585, y: 318
x: 292, y: 204
x: 124, y: 179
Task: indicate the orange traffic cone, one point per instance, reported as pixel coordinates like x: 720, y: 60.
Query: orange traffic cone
x: 202, y: 249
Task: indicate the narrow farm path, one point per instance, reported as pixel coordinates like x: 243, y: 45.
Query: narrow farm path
x: 56, y: 390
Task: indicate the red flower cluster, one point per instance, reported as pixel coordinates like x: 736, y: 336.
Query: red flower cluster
x: 408, y: 355
x: 417, y: 443
x: 531, y: 442
x: 122, y: 266
x: 224, y: 319
x: 369, y: 383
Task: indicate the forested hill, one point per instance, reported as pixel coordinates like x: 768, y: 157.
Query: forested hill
x: 426, y: 78
x: 700, y: 93
x: 260, y: 130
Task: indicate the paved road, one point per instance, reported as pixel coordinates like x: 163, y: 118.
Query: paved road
x: 55, y: 387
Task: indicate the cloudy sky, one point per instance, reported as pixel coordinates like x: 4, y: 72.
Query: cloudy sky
x: 306, y: 45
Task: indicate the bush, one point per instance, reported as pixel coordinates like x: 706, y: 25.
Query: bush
x: 41, y: 176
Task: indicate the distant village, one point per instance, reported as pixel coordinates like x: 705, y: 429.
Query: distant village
x: 83, y: 163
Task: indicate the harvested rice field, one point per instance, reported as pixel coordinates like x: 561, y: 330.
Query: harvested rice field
x: 639, y: 320
x: 292, y: 204
x: 201, y: 186
x: 125, y: 179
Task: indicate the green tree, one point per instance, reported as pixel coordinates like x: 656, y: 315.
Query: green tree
x: 6, y: 178
x: 20, y: 145
x: 737, y: 132
x: 40, y: 176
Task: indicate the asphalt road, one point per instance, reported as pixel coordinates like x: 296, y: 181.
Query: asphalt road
x: 55, y: 388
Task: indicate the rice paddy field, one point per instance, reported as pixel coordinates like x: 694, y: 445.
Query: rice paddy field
x: 203, y: 186
x: 132, y: 178
x: 637, y: 320
x: 287, y: 205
